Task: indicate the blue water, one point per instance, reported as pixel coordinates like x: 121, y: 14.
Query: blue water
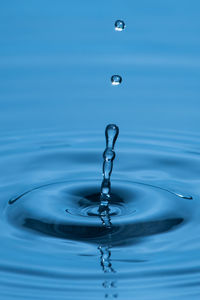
x: 56, y: 97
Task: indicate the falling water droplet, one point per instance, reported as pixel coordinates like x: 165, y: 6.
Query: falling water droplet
x: 119, y: 25
x: 116, y: 80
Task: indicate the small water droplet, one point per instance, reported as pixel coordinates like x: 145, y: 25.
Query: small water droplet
x: 119, y: 25
x: 116, y: 80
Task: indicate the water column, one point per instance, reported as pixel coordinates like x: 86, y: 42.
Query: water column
x: 111, y: 134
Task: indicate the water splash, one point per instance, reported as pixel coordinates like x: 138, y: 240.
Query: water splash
x: 111, y: 134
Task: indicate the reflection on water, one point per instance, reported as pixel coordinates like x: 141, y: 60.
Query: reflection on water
x: 110, y: 285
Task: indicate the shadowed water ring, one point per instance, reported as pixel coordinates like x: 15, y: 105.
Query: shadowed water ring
x: 69, y: 210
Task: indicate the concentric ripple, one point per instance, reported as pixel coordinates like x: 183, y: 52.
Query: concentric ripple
x: 53, y: 243
x: 69, y: 210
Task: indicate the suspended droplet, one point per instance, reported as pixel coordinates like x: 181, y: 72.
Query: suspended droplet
x: 119, y: 25
x: 116, y: 80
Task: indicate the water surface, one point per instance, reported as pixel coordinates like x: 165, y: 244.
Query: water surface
x: 56, y: 97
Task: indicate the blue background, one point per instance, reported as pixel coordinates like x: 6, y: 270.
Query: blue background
x: 57, y: 57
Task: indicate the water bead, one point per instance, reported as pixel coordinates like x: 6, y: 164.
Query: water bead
x: 119, y: 25
x: 116, y: 80
x: 111, y: 134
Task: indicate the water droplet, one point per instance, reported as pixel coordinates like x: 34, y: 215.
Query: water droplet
x: 116, y: 80
x: 119, y: 25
